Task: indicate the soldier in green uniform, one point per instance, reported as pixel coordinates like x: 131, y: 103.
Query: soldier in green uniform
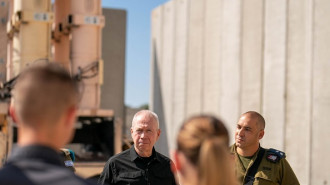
x: 254, y: 164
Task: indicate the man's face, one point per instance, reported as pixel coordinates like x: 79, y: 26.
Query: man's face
x: 145, y: 134
x: 248, y: 133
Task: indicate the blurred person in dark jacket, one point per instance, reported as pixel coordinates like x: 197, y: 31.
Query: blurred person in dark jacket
x: 44, y: 106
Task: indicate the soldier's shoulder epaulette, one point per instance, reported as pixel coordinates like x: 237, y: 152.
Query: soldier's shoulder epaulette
x: 274, y: 155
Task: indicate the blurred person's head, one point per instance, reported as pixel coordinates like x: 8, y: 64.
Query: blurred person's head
x: 44, y: 105
x: 202, y: 156
x: 145, y: 132
x: 249, y: 130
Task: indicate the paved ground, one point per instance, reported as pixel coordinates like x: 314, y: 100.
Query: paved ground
x: 89, y: 169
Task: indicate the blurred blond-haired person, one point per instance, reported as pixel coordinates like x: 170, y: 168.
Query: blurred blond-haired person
x: 202, y: 155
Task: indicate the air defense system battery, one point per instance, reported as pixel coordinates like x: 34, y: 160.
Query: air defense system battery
x: 68, y: 32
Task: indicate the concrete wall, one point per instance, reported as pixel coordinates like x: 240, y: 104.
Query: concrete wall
x: 226, y: 57
x: 113, y: 55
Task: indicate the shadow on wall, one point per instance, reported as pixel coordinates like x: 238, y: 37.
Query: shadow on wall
x: 162, y: 144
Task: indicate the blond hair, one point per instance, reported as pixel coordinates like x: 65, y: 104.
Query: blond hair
x: 204, y: 141
x: 42, y: 94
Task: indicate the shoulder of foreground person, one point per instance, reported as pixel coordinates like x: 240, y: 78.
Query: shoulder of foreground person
x: 14, y: 175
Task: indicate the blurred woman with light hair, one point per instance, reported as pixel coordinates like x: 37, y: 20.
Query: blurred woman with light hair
x: 202, y: 155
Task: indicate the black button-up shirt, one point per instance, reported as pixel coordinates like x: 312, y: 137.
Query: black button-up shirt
x: 129, y: 168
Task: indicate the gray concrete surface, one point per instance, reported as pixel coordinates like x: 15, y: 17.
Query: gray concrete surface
x: 229, y: 57
x: 113, y: 55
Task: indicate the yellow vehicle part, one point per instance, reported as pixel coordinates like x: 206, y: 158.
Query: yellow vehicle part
x: 4, y: 11
x: 30, y: 33
x: 78, y: 27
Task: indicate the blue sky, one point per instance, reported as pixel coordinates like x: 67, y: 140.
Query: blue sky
x: 137, y: 79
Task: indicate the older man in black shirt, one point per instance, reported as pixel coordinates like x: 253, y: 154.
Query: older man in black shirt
x: 140, y: 164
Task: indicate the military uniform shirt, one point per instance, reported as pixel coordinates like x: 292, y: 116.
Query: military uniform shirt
x: 245, y: 161
x: 268, y: 173
x: 37, y: 165
x: 129, y: 168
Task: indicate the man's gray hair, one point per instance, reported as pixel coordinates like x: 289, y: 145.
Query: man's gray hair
x: 146, y: 113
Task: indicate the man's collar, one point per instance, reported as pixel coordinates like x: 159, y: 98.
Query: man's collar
x: 233, y: 149
x: 39, y: 152
x: 134, y: 155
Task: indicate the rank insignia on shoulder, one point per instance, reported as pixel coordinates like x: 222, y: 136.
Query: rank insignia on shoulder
x: 274, y: 155
x: 272, y: 158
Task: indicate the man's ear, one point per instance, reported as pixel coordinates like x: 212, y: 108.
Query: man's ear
x: 261, y: 134
x: 12, y: 113
x: 71, y: 116
x: 158, y: 133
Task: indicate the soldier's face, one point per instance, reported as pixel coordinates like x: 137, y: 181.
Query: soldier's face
x: 247, y: 132
x: 145, y: 133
